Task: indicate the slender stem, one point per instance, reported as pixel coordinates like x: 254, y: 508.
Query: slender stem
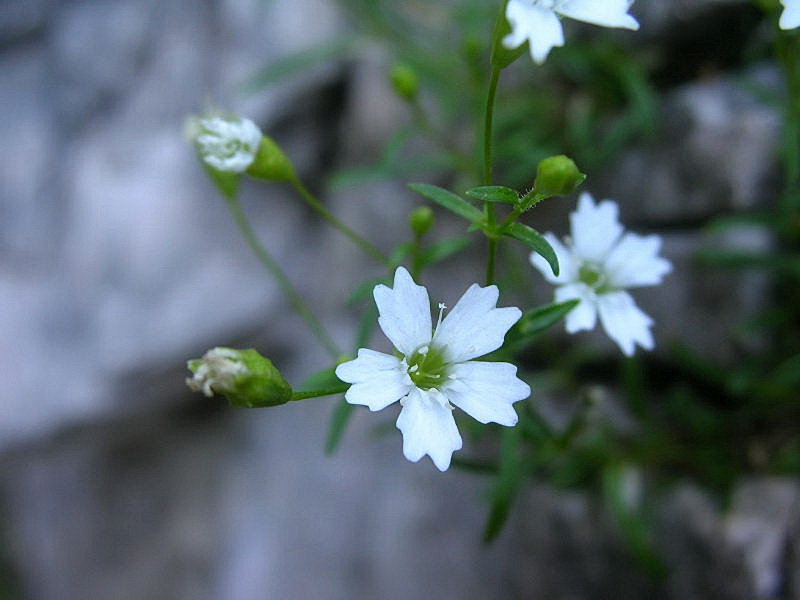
x: 491, y: 218
x: 312, y: 201
x: 487, y: 126
x: 319, y: 393
x: 490, y: 263
x: 274, y: 269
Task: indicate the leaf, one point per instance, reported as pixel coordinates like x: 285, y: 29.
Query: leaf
x: 322, y: 380
x: 443, y: 250
x: 507, y: 485
x: 536, y: 241
x: 541, y: 318
x: 448, y: 200
x: 283, y: 68
x: 632, y: 525
x: 339, y: 420
x: 494, y: 193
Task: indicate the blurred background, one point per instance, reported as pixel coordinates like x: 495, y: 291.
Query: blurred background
x: 118, y: 262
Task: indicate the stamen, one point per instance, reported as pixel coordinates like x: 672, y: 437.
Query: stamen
x: 414, y: 369
x: 424, y: 350
x: 442, y: 308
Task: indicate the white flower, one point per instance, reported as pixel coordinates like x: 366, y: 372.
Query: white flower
x: 228, y: 144
x: 597, y: 264
x: 537, y: 21
x: 790, y: 18
x: 434, y: 369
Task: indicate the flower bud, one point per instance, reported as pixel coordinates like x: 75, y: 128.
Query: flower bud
x: 244, y: 376
x: 557, y: 176
x: 270, y: 163
x: 227, y: 144
x: 421, y: 220
x: 405, y: 81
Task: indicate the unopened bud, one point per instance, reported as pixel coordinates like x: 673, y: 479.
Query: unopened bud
x: 244, y: 376
x: 421, y: 220
x: 557, y: 176
x: 271, y: 164
x: 405, y: 81
x: 227, y: 144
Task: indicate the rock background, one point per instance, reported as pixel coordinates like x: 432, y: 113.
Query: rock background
x: 118, y: 262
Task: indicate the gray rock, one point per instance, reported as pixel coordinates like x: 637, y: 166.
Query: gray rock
x: 716, y: 154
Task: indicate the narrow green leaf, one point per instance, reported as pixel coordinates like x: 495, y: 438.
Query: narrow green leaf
x: 535, y: 241
x: 322, y: 380
x: 443, y: 250
x: 541, y: 318
x: 448, y: 200
x: 281, y: 69
x: 339, y: 420
x: 494, y: 193
x: 507, y: 484
x: 632, y: 525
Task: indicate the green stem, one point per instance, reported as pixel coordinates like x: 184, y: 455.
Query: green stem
x: 274, y: 269
x: 491, y: 218
x: 319, y: 393
x: 312, y: 201
x: 487, y: 126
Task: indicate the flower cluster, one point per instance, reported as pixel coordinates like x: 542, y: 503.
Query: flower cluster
x: 434, y: 368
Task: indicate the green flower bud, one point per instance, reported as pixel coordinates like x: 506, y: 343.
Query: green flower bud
x: 270, y: 163
x: 421, y: 220
x: 244, y: 376
x: 557, y: 176
x: 405, y: 81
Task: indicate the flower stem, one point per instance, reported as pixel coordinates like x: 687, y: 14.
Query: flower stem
x: 319, y: 393
x: 491, y: 218
x: 487, y: 125
x: 326, y: 214
x: 274, y: 269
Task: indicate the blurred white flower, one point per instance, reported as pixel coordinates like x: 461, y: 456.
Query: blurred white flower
x: 434, y: 369
x: 537, y: 21
x: 790, y: 18
x: 228, y: 144
x: 597, y: 264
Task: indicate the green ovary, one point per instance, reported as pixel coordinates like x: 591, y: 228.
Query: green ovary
x: 428, y: 368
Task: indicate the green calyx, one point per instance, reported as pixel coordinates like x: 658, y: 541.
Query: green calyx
x: 270, y: 163
x: 428, y: 368
x: 244, y: 376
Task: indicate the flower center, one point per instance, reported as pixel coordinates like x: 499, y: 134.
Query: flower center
x: 594, y: 276
x: 428, y: 367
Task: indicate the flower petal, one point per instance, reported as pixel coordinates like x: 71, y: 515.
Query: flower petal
x: 378, y: 379
x: 606, y: 13
x: 475, y: 327
x: 624, y: 322
x: 405, y: 312
x: 595, y: 228
x: 486, y: 391
x: 634, y: 261
x: 540, y: 26
x: 428, y: 427
x: 790, y: 18
x: 566, y: 262
x: 584, y: 315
